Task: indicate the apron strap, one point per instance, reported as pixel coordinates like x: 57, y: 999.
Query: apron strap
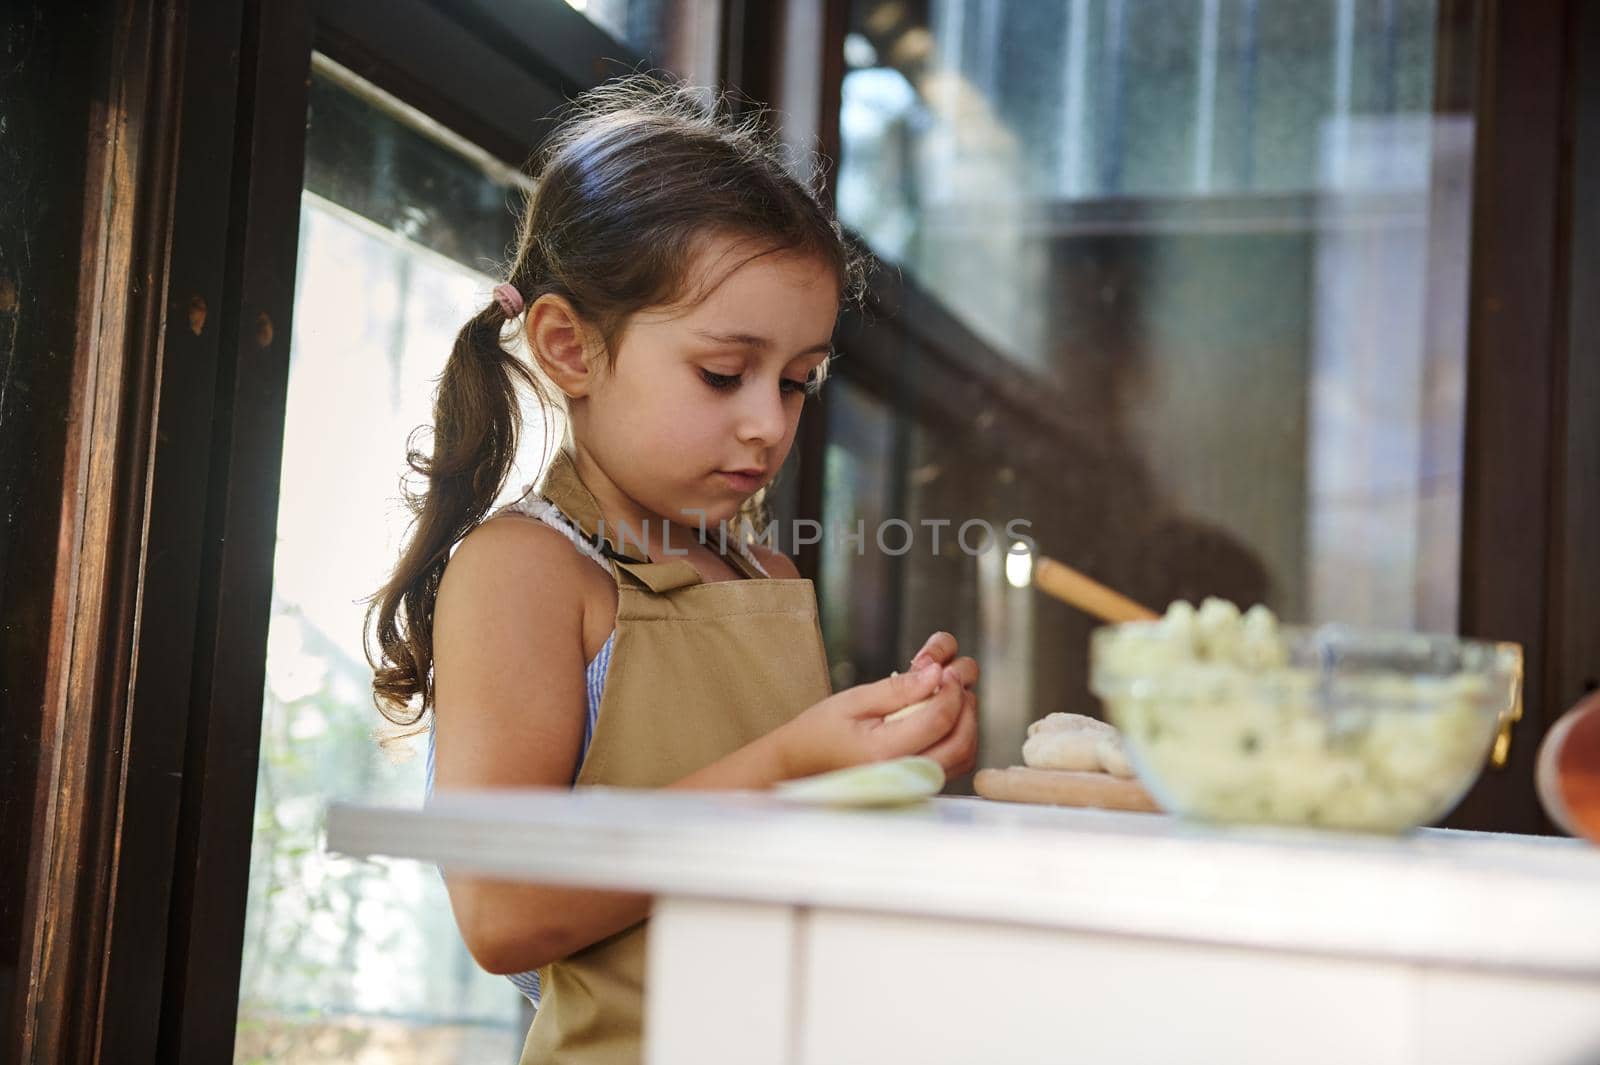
x: 741, y: 562
x: 659, y: 577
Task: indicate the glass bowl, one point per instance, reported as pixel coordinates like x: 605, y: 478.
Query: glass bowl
x: 1338, y: 727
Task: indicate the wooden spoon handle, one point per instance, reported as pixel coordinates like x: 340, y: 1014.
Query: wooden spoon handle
x: 1068, y: 585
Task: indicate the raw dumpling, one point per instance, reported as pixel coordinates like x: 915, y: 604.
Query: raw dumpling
x: 1069, y: 722
x: 1113, y: 759
x: 1075, y: 742
x: 1063, y: 749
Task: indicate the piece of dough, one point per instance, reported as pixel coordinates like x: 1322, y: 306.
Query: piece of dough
x: 1062, y: 749
x: 1075, y: 742
x: 907, y: 711
x: 1069, y: 723
x: 1113, y: 759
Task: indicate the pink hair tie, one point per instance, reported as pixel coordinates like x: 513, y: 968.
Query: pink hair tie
x: 509, y: 299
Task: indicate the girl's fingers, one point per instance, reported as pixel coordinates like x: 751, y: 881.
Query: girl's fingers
x: 966, y: 669
x: 933, y: 719
x: 969, y: 731
x: 901, y: 690
x: 940, y: 648
x: 958, y: 751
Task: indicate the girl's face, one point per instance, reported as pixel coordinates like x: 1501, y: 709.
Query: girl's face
x: 694, y: 397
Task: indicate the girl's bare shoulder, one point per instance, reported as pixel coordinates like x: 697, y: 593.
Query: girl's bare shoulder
x: 515, y: 547
x: 518, y: 571
x: 520, y: 561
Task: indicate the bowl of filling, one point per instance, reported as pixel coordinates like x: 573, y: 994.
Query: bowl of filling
x: 1233, y: 717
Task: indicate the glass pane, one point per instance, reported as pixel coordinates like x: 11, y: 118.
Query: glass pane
x: 860, y: 581
x: 1202, y: 266
x: 347, y: 960
x: 676, y: 35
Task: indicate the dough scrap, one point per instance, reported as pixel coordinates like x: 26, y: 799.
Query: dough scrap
x: 907, y: 711
x: 1062, y: 749
x: 1069, y: 723
x: 1113, y: 758
x: 1078, y: 743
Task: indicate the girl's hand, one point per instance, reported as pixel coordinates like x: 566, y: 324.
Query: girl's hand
x: 958, y: 751
x: 849, y: 729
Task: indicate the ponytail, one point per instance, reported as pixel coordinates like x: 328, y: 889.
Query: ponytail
x: 476, y: 425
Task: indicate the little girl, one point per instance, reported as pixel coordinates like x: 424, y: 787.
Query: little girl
x: 679, y: 288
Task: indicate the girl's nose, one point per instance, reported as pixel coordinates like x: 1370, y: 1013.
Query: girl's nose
x: 762, y: 418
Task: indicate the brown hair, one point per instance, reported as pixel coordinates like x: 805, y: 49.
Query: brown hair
x: 634, y: 176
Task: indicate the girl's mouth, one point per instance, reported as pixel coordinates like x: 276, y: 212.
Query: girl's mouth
x: 742, y: 480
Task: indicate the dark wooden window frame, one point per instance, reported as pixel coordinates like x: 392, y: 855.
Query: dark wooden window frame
x: 1531, y: 511
x: 149, y: 701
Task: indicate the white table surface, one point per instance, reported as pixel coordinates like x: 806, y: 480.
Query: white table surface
x: 1470, y: 899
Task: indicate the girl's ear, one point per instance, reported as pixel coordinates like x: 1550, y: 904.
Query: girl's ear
x: 563, y: 343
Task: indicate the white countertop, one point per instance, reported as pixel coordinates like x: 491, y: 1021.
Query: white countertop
x: 1465, y: 898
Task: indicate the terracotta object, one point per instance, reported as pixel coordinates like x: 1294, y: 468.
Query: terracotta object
x: 1568, y: 774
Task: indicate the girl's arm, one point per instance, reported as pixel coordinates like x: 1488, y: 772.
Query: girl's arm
x: 509, y: 674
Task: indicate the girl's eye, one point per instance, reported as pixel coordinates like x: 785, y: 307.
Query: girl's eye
x: 720, y: 381
x: 723, y: 382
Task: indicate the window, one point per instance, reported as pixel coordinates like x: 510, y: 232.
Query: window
x: 1200, y: 272
x: 400, y: 230
x: 677, y: 35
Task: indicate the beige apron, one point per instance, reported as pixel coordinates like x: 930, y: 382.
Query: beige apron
x: 698, y: 670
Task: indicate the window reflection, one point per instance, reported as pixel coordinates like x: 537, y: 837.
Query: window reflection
x: 677, y: 35
x: 859, y: 582
x: 1224, y: 243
